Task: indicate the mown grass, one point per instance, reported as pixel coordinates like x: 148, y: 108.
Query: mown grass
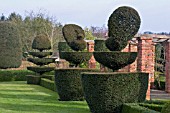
x: 18, y: 97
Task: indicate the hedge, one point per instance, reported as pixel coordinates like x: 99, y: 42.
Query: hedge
x: 135, y: 108
x: 106, y: 92
x: 49, y: 84
x: 10, y: 46
x: 14, y: 75
x: 68, y: 83
x: 156, y: 107
x: 115, y: 60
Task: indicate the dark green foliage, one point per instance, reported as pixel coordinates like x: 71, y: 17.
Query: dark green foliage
x: 40, y: 54
x: 32, y: 79
x: 74, y: 36
x: 116, y: 59
x: 14, y: 75
x: 135, y: 108
x: 76, y: 57
x: 49, y: 77
x: 68, y: 83
x: 40, y: 70
x: 166, y: 108
x: 155, y: 107
x: 41, y: 42
x: 63, y: 46
x: 123, y: 24
x: 100, y: 45
x: 41, y: 61
x: 10, y: 46
x: 106, y: 92
x: 49, y: 84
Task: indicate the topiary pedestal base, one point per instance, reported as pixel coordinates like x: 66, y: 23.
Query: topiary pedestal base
x: 106, y: 92
x: 68, y: 83
x: 33, y: 79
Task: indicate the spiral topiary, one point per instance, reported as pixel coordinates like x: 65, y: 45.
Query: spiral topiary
x: 123, y: 24
x: 10, y: 46
x: 41, y: 42
x: 74, y: 36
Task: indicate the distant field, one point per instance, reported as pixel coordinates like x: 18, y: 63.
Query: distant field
x: 18, y: 97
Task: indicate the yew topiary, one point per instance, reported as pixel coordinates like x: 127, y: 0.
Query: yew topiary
x: 74, y: 36
x: 10, y: 46
x: 41, y: 42
x: 123, y: 24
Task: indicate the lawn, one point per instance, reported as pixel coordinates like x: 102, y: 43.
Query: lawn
x: 18, y: 97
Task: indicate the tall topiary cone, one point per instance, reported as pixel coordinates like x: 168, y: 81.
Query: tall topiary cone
x: 105, y: 92
x: 40, y: 58
x: 10, y: 46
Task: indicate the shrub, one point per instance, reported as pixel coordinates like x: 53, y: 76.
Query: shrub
x: 14, y: 75
x: 74, y: 36
x: 10, y: 44
x: 106, y: 92
x: 155, y: 107
x: 68, y: 83
x: 49, y: 84
x: 135, y: 108
x: 41, y: 42
x: 123, y: 24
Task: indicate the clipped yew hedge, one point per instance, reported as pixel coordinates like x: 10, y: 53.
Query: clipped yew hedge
x: 49, y: 84
x: 68, y: 83
x: 135, y: 108
x: 76, y: 57
x: 116, y: 59
x: 106, y: 92
x: 10, y: 46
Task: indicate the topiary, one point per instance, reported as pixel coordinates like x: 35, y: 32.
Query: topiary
x: 10, y: 46
x: 74, y: 36
x: 41, y: 42
x: 106, y: 92
x: 123, y: 24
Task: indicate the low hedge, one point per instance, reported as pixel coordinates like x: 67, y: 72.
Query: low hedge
x: 49, y: 84
x: 106, y: 92
x: 156, y: 107
x: 68, y: 83
x: 14, y: 75
x: 135, y: 108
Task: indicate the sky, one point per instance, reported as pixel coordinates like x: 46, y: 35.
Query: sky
x: 155, y: 14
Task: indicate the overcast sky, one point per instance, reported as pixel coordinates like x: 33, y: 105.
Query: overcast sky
x: 155, y: 14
